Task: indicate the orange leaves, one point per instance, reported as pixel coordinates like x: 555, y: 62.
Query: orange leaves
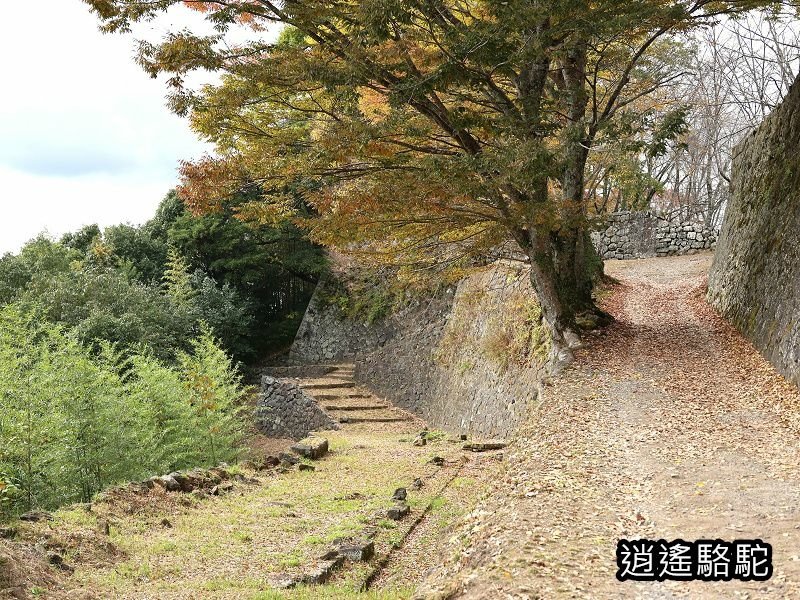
x: 373, y: 104
x: 207, y: 183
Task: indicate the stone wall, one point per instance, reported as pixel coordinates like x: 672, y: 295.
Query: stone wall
x: 642, y: 235
x: 755, y: 278
x: 454, y: 359
x: 325, y: 336
x: 285, y: 410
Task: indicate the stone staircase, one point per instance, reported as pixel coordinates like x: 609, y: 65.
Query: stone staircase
x: 347, y: 403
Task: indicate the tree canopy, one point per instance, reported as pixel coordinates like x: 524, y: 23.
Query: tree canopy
x: 423, y: 132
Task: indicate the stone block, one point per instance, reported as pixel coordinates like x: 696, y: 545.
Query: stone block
x: 397, y: 512
x: 360, y: 551
x: 485, y: 446
x: 311, y: 447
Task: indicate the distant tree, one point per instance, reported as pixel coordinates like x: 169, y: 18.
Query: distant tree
x: 82, y: 239
x: 102, y: 304
x: 41, y: 258
x: 137, y: 252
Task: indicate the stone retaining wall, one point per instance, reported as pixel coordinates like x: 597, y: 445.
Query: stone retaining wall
x: 441, y: 359
x: 643, y: 235
x: 755, y: 279
x: 285, y: 410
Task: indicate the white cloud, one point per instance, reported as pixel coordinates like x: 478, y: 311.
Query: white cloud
x: 85, y: 135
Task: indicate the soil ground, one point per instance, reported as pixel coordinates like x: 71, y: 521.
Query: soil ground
x: 669, y: 425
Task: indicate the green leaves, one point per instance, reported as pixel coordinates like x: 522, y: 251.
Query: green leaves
x: 72, y: 423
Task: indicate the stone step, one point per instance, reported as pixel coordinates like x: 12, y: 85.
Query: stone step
x: 344, y: 396
x: 379, y: 415
x: 328, y: 385
x: 356, y: 407
x: 348, y: 419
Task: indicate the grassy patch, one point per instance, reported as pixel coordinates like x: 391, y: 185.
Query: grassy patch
x: 236, y: 544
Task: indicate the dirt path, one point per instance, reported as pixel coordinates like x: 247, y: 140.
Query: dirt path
x: 669, y: 426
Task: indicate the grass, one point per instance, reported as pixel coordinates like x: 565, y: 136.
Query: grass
x: 234, y: 546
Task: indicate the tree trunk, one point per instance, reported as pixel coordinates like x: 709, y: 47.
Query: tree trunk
x: 564, y: 264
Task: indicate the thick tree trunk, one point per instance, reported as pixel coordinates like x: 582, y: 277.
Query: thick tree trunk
x: 562, y: 277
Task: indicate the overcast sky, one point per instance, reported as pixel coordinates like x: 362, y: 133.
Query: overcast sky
x: 85, y: 135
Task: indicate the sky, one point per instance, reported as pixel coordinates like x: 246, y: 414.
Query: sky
x: 85, y: 135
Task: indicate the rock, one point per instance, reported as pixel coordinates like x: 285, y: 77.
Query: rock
x: 398, y: 511
x: 311, y: 447
x: 437, y: 460
x: 36, y: 516
x: 222, y: 488
x: 417, y: 485
x: 358, y: 551
x: 288, y: 459
x: 169, y: 483
x: 186, y: 482
x: 323, y: 572
x: 400, y: 494
x: 55, y: 559
x: 305, y: 467
x: 420, y: 441
x: 166, y: 523
x: 485, y: 446
x: 463, y: 437
x: 7, y: 533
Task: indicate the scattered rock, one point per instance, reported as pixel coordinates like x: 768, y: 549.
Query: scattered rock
x: 329, y: 555
x: 484, y: 446
x: 7, y: 533
x: 400, y: 494
x: 288, y: 459
x: 358, y: 551
x: 417, y: 485
x: 305, y: 467
x: 36, y: 516
x: 398, y: 511
x: 55, y: 559
x: 437, y: 460
x: 323, y: 572
x: 222, y: 488
x: 420, y: 441
x: 311, y: 447
x: 169, y: 483
x: 166, y: 523
x: 463, y: 437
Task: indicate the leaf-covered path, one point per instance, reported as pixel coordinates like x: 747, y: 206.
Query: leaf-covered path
x: 670, y: 425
